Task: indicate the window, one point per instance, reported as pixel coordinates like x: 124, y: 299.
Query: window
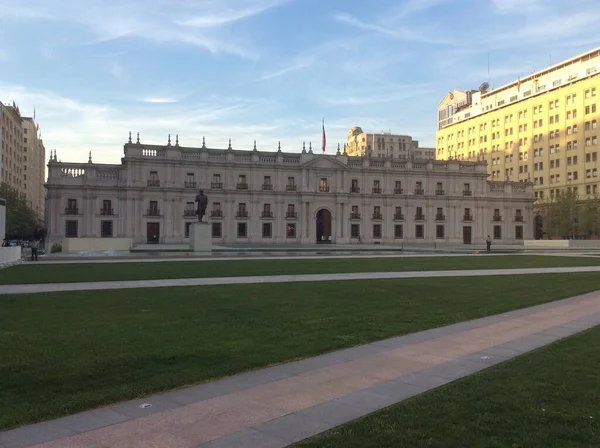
x: 497, y: 232
x: 354, y: 188
x: 267, y: 230
x: 242, y: 230
x: 323, y: 186
x: 355, y: 231
x: 106, y: 229
x: 241, y: 182
x: 216, y: 182
x: 242, y: 211
x: 267, y: 213
x: 290, y: 230
x: 153, y: 209
x: 267, y: 185
x: 377, y: 231
x: 153, y: 175
x: 376, y: 186
x: 71, y: 229
x: 439, y: 231
x: 190, y: 181
x: 217, y: 230
x: 419, y: 231
x: 398, y: 231
x: 291, y: 184
x: 186, y: 229
x: 519, y: 232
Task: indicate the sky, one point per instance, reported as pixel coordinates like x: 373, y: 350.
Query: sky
x: 266, y: 70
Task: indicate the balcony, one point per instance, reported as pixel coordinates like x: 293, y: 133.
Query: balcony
x: 291, y: 187
x: 467, y: 193
x: 419, y: 192
x: 267, y: 187
x: 153, y: 183
x: 440, y: 217
x: 376, y: 190
x: 440, y: 192
x: 518, y: 218
x: 71, y: 211
x: 266, y: 215
x: 398, y: 217
x: 496, y: 218
x: 468, y: 218
x: 241, y: 214
x: 189, y: 213
x: 354, y: 190
x: 398, y: 191
x: 216, y: 213
x: 377, y: 216
x: 291, y: 215
x: 419, y: 217
x: 354, y: 216
x: 216, y: 185
x: 107, y: 212
x: 241, y: 186
x: 324, y: 188
x: 189, y: 184
x: 153, y: 212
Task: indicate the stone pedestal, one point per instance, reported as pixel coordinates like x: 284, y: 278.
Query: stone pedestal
x: 200, y: 238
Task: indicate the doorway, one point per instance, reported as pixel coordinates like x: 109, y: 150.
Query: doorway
x: 323, y: 226
x: 467, y: 235
x: 153, y: 232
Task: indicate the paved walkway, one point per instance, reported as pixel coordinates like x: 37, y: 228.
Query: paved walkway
x: 131, y: 284
x: 280, y: 405
x: 250, y: 257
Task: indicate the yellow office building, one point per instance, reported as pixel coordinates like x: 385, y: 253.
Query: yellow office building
x: 542, y: 128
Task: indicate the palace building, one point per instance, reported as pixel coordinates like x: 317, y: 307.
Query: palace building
x: 277, y: 197
x: 541, y: 128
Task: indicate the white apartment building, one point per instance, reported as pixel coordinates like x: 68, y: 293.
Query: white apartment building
x: 385, y: 144
x: 261, y: 197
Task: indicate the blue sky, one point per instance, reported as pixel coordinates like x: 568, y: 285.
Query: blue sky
x: 265, y: 70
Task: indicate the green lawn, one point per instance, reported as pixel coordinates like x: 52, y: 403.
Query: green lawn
x: 67, y: 352
x: 89, y: 272
x: 549, y: 398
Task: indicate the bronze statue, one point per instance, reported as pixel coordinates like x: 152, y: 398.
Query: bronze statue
x: 202, y: 201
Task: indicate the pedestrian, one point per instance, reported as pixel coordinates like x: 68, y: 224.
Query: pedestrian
x: 488, y: 243
x: 34, y: 250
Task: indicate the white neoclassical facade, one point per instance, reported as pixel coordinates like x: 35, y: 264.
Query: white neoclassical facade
x: 261, y: 197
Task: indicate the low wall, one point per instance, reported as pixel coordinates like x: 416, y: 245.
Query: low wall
x: 83, y: 244
x: 562, y: 244
x: 10, y: 255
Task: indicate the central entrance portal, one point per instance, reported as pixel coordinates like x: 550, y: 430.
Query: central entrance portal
x: 323, y: 226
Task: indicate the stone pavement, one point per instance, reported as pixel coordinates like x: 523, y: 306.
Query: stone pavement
x: 280, y: 405
x: 131, y: 284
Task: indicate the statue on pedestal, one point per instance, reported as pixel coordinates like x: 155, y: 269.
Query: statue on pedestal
x: 202, y: 201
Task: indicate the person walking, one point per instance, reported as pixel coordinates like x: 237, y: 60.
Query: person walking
x: 34, y: 250
x: 488, y: 243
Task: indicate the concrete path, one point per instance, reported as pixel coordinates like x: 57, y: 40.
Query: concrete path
x: 280, y: 405
x: 247, y: 257
x: 132, y: 284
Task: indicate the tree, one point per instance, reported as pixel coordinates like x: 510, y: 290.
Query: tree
x: 21, y: 220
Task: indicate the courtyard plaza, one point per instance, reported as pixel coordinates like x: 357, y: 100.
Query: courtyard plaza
x: 269, y: 359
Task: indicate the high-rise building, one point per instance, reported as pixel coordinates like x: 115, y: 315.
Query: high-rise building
x: 541, y: 128
x: 385, y: 144
x: 22, y: 156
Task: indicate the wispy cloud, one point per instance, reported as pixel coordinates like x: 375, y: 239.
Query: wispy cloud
x: 230, y: 15
x: 116, y: 70
x: 286, y: 70
x: 185, y: 22
x: 156, y: 100
x: 411, y: 7
x: 398, y: 32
